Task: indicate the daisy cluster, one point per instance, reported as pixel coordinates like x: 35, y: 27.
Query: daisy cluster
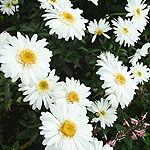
x: 65, y: 126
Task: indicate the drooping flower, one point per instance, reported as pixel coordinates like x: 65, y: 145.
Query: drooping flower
x: 41, y: 92
x: 140, y: 72
x: 140, y: 52
x: 26, y: 59
x: 99, y: 28
x: 104, y: 113
x: 65, y: 128
x: 125, y: 32
x: 66, y: 22
x: 8, y: 8
x: 139, y: 13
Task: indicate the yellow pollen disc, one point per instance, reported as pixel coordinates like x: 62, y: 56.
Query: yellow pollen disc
x: 8, y: 5
x: 68, y: 17
x: 27, y: 57
x: 125, y: 30
x: 120, y: 79
x: 102, y: 113
x: 68, y: 128
x: 54, y: 1
x: 73, y: 97
x: 139, y: 73
x: 99, y: 31
x: 138, y: 11
x: 43, y: 85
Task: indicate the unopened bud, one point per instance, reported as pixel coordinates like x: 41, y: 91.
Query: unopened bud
x: 14, y: 2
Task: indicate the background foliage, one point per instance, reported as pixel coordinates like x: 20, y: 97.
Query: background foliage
x: 19, y: 123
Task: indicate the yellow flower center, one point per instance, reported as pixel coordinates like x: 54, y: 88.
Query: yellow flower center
x: 139, y: 73
x: 120, y: 79
x: 68, y: 128
x: 27, y: 57
x: 125, y: 30
x: 67, y: 17
x: 54, y: 1
x: 101, y: 113
x: 8, y: 5
x: 99, y: 31
x: 43, y: 85
x: 73, y: 97
x: 138, y: 11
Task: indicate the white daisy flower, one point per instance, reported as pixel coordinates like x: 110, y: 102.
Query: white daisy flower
x: 65, y: 128
x: 139, y: 13
x: 75, y: 92
x: 94, y: 1
x: 26, y: 59
x: 119, y: 80
x: 42, y: 91
x: 66, y: 22
x: 7, y: 7
x: 4, y: 36
x: 98, y: 145
x: 104, y: 113
x: 140, y: 52
x: 47, y: 4
x: 99, y: 28
x: 141, y: 73
x: 125, y: 32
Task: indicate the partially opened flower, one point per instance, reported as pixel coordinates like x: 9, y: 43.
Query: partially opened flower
x: 104, y: 113
x: 41, y: 92
x: 26, y: 59
x: 139, y: 13
x: 7, y: 7
x: 65, y: 128
x: 125, y: 32
x: 66, y: 22
x: 99, y: 28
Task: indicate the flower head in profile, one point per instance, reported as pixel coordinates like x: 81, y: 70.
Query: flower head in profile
x: 7, y: 7
x: 99, y: 28
x: 74, y: 92
x: 64, y: 128
x: 139, y: 13
x: 66, y: 22
x: 26, y: 59
x: 41, y: 92
x: 125, y: 32
x: 139, y: 53
x: 4, y: 38
x: 98, y: 145
x: 140, y: 72
x: 47, y: 4
x: 104, y: 113
x: 94, y: 2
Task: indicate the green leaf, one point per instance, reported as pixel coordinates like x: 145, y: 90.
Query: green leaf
x: 128, y: 140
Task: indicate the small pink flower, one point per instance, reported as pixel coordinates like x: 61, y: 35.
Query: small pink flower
x: 126, y: 123
x: 143, y: 117
x: 134, y: 137
x: 134, y: 121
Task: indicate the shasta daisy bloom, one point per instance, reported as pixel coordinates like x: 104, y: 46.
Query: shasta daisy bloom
x: 66, y: 22
x: 139, y: 13
x: 41, y: 92
x: 125, y: 32
x: 98, y: 145
x: 141, y: 73
x: 26, y: 59
x: 140, y: 52
x: 104, y: 113
x: 47, y: 4
x: 94, y: 1
x: 7, y: 7
x: 75, y: 92
x: 65, y: 129
x: 99, y: 28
